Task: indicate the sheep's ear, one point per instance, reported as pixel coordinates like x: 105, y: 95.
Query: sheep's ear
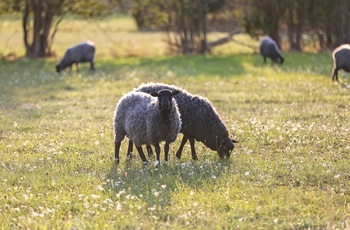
x: 154, y: 94
x: 175, y: 92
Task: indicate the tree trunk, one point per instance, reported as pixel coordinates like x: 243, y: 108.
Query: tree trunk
x: 37, y: 34
x: 203, y: 48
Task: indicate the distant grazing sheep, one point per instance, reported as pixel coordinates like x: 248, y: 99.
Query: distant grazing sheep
x: 147, y: 119
x: 269, y: 49
x: 341, y: 58
x: 82, y: 52
x: 199, y: 119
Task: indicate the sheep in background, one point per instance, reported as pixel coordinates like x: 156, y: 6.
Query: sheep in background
x: 82, y: 52
x: 269, y: 49
x: 147, y: 119
x: 199, y: 119
x: 341, y: 58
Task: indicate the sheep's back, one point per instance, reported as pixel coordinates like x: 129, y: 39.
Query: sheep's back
x: 199, y: 118
x: 131, y: 116
x: 82, y: 52
x: 206, y: 124
x: 268, y: 47
x: 137, y: 113
x: 183, y: 99
x: 341, y: 57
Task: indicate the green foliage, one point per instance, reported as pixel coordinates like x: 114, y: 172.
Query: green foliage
x: 294, y: 18
x: 289, y: 169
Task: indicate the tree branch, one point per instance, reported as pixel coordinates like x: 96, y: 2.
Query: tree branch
x: 223, y: 40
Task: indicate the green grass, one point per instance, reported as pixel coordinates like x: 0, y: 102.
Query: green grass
x: 290, y: 169
x: 114, y: 37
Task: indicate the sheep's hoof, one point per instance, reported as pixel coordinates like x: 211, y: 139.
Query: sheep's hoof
x: 156, y: 163
x: 116, y: 161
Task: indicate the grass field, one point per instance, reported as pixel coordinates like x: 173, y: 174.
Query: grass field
x: 290, y: 169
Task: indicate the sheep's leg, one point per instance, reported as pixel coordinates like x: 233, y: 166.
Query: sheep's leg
x: 193, y: 150
x: 77, y: 66
x: 116, y: 151
x: 166, y: 150
x: 128, y: 154
x: 92, y: 67
x: 157, y: 148
x: 142, y: 155
x: 264, y: 60
x: 179, y: 151
x: 335, y: 75
x: 149, y: 150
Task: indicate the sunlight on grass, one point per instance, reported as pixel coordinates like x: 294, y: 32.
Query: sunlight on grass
x: 290, y: 169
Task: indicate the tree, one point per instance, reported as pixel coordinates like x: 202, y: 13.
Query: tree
x: 328, y: 20
x: 41, y: 18
x: 185, y: 21
x: 264, y: 18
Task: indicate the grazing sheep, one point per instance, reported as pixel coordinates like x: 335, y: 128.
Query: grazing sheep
x: 341, y: 58
x: 82, y: 52
x: 147, y: 119
x: 199, y: 119
x: 269, y: 49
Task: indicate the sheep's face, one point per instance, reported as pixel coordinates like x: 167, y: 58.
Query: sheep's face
x: 165, y: 99
x: 58, y: 69
x: 280, y: 60
x: 226, y: 148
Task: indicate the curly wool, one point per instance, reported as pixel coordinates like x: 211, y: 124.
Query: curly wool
x: 198, y: 116
x: 137, y: 116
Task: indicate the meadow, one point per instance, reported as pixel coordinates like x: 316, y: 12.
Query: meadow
x: 290, y: 169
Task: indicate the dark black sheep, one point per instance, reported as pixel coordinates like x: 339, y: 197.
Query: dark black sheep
x: 82, y: 52
x: 199, y: 119
x: 341, y: 58
x: 269, y: 49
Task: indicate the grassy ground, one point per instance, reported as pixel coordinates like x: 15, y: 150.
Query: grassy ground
x: 290, y: 168
x: 114, y: 37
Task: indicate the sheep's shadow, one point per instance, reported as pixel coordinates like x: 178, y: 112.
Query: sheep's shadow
x: 156, y: 185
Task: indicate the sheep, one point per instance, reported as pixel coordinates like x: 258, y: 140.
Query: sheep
x: 82, y: 52
x: 341, y: 58
x: 199, y: 119
x: 147, y: 119
x: 269, y: 49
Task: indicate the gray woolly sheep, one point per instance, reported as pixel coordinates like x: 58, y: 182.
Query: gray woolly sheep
x: 199, y: 119
x: 269, y: 49
x: 147, y: 119
x: 82, y: 52
x: 341, y: 58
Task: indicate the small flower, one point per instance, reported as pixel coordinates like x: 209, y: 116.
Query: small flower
x: 156, y: 194
x: 95, y: 196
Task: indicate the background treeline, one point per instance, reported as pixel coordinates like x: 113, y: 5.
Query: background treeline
x: 294, y: 24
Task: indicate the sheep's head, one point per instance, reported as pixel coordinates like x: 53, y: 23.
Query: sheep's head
x: 280, y: 60
x: 226, y: 147
x: 58, y: 69
x: 165, y: 97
